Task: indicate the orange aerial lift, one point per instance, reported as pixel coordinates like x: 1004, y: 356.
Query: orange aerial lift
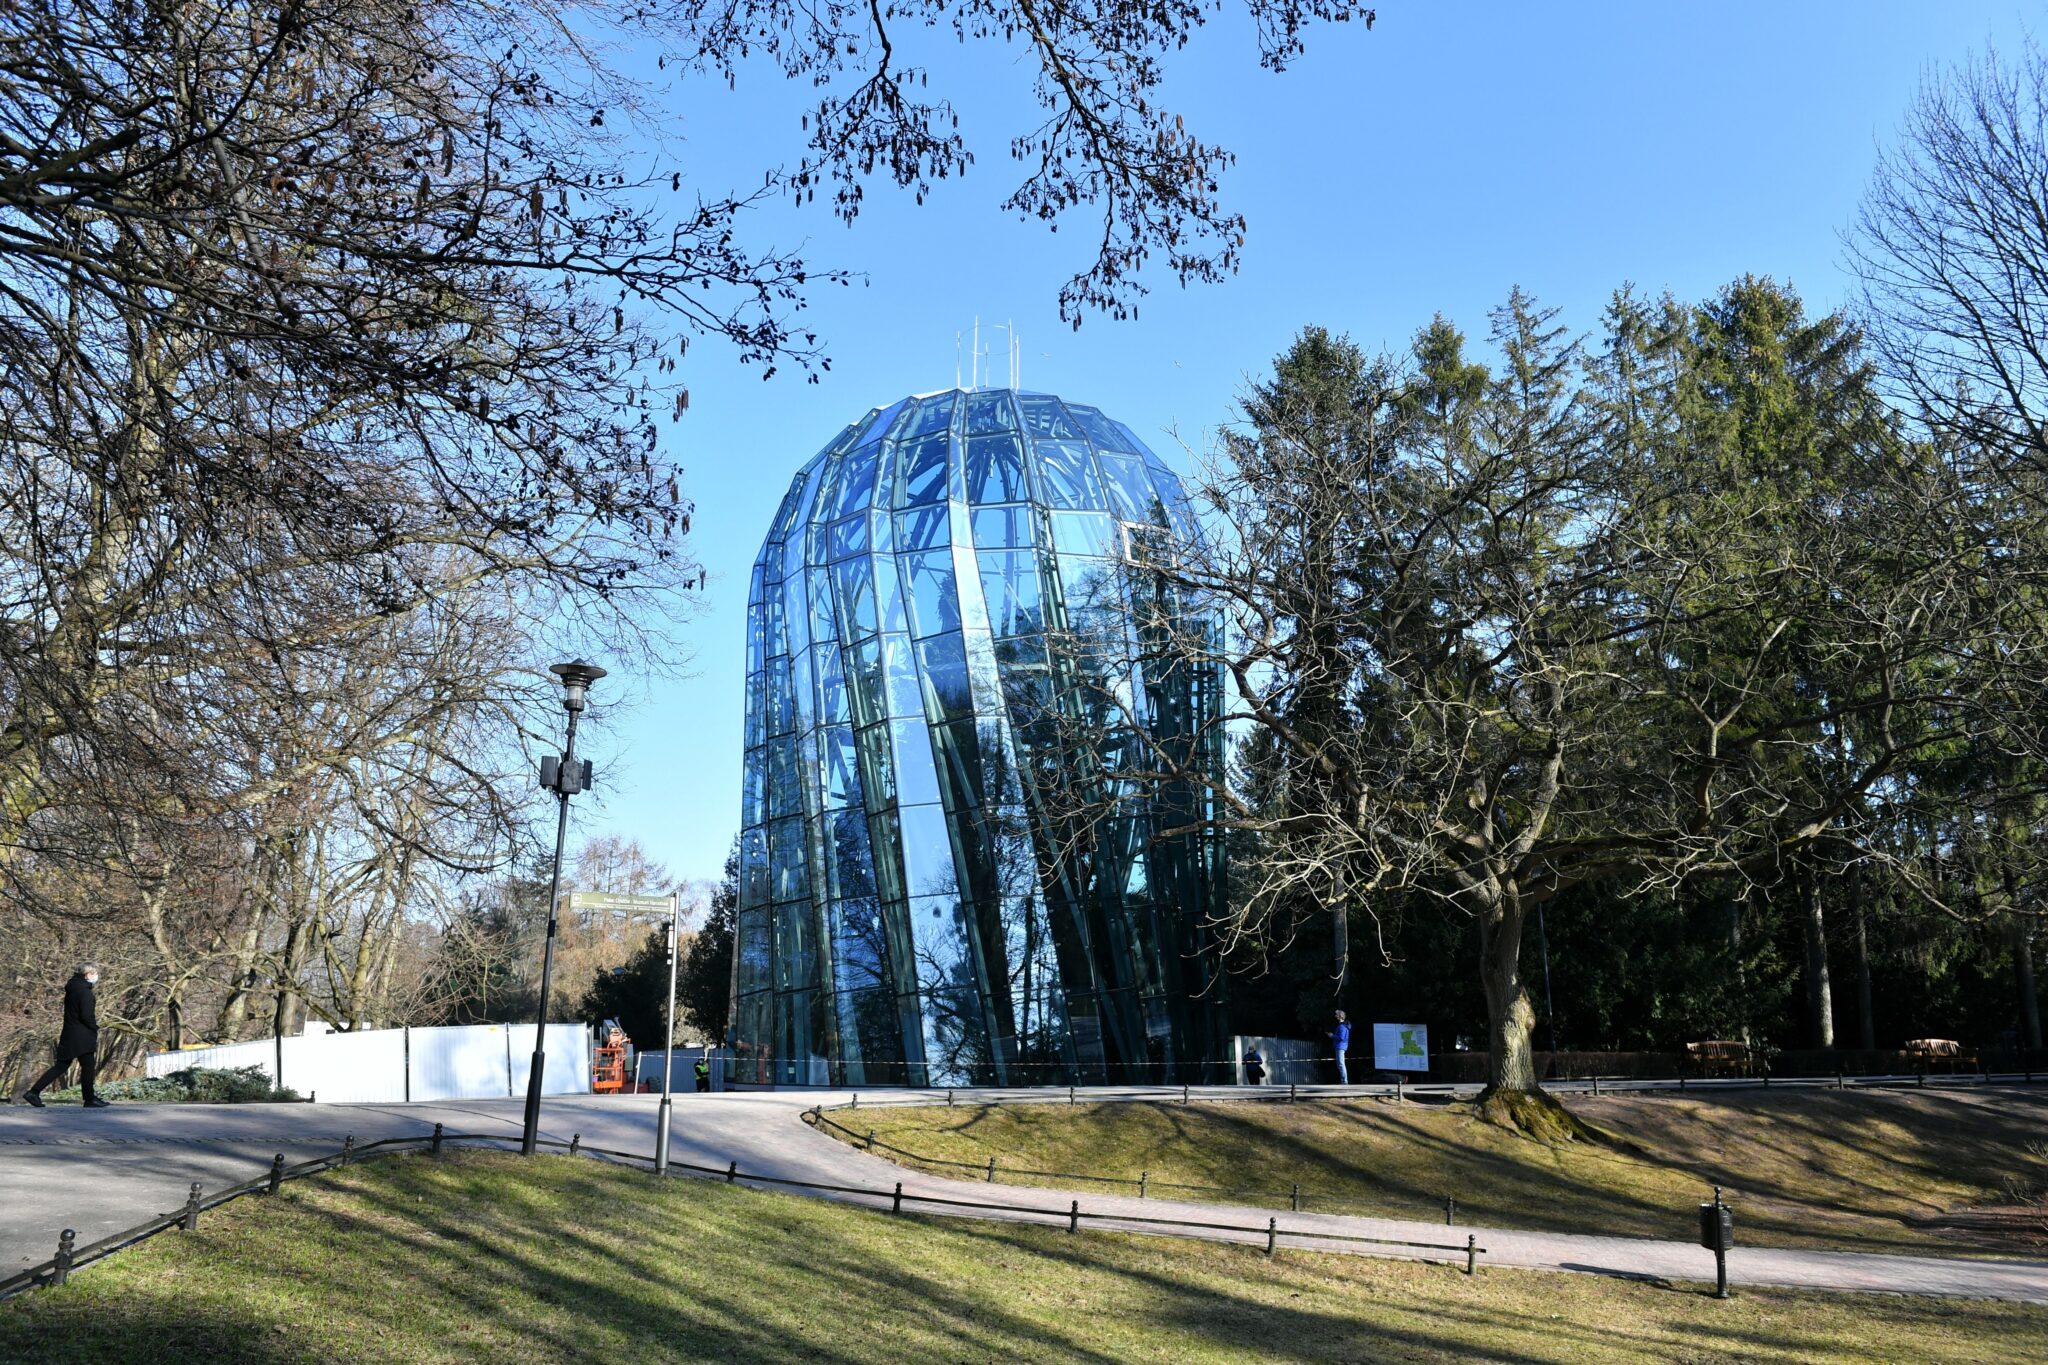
x: 608, y: 1065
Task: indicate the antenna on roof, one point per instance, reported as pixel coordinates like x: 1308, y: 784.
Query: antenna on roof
x: 978, y: 368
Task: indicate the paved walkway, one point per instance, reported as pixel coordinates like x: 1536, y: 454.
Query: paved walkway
x: 102, y: 1170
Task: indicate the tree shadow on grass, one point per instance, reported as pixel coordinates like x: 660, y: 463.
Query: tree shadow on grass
x: 487, y: 1257
x: 1850, y: 1169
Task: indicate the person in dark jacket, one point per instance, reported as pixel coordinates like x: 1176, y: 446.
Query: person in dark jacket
x: 79, y: 1042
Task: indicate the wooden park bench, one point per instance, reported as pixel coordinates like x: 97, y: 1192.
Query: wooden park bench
x: 1925, y: 1052
x: 1720, y: 1057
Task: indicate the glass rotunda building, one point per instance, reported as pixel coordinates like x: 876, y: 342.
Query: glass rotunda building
x: 962, y: 861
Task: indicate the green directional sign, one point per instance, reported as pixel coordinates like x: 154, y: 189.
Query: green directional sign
x: 613, y: 903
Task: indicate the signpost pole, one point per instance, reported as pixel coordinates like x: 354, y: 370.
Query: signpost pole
x: 668, y: 1044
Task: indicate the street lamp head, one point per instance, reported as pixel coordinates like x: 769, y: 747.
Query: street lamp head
x: 576, y: 676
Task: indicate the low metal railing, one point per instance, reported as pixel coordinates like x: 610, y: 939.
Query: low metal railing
x: 1295, y: 1198
x: 70, y: 1256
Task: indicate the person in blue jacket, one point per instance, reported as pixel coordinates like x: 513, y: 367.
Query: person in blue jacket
x: 1340, y: 1036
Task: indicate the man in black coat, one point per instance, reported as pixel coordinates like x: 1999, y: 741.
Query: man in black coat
x: 79, y: 1042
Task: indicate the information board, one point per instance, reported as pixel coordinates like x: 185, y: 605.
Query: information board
x: 1400, y: 1047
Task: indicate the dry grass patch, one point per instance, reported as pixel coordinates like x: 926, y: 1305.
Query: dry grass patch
x: 1868, y: 1170
x: 487, y: 1257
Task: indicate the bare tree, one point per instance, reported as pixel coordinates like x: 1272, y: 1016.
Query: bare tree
x: 342, y: 329
x: 612, y: 862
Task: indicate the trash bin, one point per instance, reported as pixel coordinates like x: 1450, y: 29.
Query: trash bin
x: 1717, y: 1227
x: 1717, y: 1234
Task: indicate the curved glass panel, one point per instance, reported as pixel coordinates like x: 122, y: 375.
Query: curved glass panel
x: 943, y: 651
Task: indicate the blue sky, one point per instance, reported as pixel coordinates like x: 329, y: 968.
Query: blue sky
x: 1427, y: 166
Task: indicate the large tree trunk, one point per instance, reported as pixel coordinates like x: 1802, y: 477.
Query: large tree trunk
x: 1513, y: 1096
x: 1820, y: 1002
x: 1866, y: 1016
x: 1510, y: 1018
x: 2022, y: 962
x: 2023, y: 968
x: 1735, y: 965
x: 234, y: 1010
x: 2030, y: 1001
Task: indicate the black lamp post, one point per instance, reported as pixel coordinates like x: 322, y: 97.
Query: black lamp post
x: 564, y: 776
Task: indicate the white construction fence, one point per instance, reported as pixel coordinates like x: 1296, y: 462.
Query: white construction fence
x: 395, y: 1065
x: 1288, y: 1060
x: 647, y: 1068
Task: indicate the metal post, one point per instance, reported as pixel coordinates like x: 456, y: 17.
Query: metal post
x: 1720, y: 1256
x: 1070, y: 1094
x: 949, y: 1097
x: 896, y: 1204
x: 1471, y: 1252
x: 732, y: 1171
x: 991, y: 1171
x: 1183, y: 1092
x: 1294, y: 1200
x: 871, y: 1139
x: 1074, y: 1217
x: 1272, y: 1234
x: 1143, y: 1177
x: 530, y: 1135
x: 348, y: 1149
x: 435, y: 1145
x: 67, y: 1247
x: 1450, y: 1210
x: 192, y: 1208
x: 1399, y: 1089
x: 668, y: 1051
x: 1290, y: 1092
x: 575, y: 1144
x: 856, y: 1101
x: 276, y: 1172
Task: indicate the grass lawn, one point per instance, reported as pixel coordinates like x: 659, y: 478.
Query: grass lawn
x: 1868, y: 1170
x: 485, y: 1257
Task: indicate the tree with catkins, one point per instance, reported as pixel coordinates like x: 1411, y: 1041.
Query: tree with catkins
x: 337, y: 328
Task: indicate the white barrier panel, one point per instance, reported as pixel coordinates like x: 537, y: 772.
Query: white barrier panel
x: 465, y: 1062
x: 1288, y: 1060
x: 348, y: 1068
x: 685, y: 1074
x: 474, y: 1061
x: 225, y: 1057
x: 567, y: 1069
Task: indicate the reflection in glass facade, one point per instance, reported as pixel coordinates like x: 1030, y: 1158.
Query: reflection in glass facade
x: 943, y: 880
